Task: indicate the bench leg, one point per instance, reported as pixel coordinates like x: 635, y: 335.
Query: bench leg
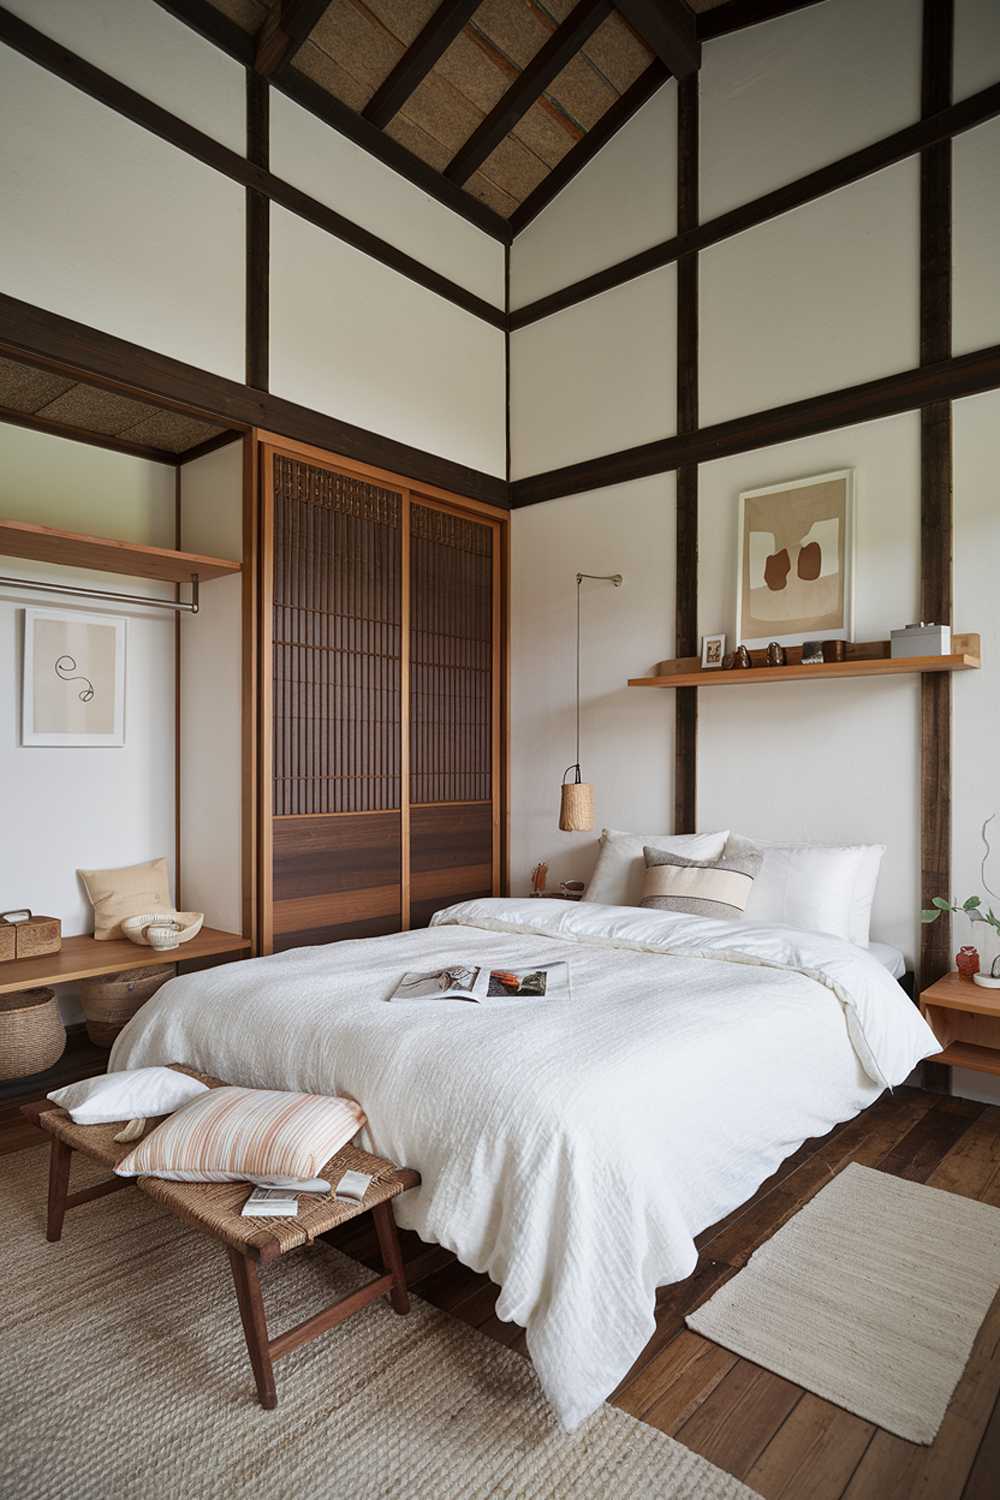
x: 392, y: 1257
x: 60, y: 1157
x: 254, y: 1326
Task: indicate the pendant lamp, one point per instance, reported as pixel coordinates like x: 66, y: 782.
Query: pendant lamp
x: 576, y: 810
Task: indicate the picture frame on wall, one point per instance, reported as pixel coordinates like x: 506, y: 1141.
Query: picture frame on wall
x: 713, y: 649
x: 73, y: 679
x: 795, y: 561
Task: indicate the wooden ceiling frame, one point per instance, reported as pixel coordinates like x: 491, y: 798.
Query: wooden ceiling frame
x: 561, y: 47
x: 669, y: 29
x: 418, y: 59
x: 284, y: 32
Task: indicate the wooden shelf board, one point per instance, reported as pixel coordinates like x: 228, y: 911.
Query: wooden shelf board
x: 71, y: 549
x: 878, y: 667
x: 953, y: 993
x: 968, y: 1055
x: 86, y: 958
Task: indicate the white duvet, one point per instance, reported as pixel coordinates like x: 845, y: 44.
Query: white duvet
x: 570, y: 1147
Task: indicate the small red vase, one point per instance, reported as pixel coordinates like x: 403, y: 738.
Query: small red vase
x: 967, y: 962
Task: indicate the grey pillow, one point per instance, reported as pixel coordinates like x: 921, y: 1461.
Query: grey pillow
x: 702, y: 888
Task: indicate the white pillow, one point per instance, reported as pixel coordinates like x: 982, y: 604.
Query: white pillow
x: 135, y: 1094
x: 817, y: 888
x: 621, y: 867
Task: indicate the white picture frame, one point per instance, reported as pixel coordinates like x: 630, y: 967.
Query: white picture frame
x: 73, y: 679
x: 833, y: 624
x: 713, y: 649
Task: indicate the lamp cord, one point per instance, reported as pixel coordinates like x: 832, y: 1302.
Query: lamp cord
x: 616, y: 579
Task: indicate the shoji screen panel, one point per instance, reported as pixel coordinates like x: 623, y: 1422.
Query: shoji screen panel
x: 334, y: 553
x: 454, y: 630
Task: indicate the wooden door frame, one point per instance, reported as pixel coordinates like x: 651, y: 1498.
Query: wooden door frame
x: 258, y: 719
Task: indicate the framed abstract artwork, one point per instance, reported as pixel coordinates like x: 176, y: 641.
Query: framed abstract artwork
x: 73, y: 687
x: 795, y: 578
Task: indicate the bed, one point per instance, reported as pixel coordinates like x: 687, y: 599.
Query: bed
x: 570, y: 1147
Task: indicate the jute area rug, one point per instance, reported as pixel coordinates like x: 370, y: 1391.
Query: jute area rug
x: 871, y: 1296
x: 125, y: 1377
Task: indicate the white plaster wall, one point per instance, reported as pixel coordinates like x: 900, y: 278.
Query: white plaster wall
x: 976, y: 695
x: 62, y: 809
x: 596, y: 377
x: 823, y: 762
x: 108, y: 225
x: 351, y: 337
x: 334, y: 170
x: 976, y: 246
x: 211, y: 701
x: 790, y: 95
x: 624, y: 201
x: 141, y: 44
x: 823, y: 297
x: 977, y: 46
x: 626, y: 734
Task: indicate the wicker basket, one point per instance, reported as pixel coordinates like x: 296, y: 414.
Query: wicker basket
x: 110, y: 1003
x: 32, y: 1035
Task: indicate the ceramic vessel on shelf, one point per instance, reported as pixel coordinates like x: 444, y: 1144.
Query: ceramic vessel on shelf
x: 967, y: 962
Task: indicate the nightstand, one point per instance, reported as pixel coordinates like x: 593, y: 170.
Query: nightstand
x: 965, y: 1018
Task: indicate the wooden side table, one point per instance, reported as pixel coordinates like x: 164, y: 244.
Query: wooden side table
x: 965, y: 1018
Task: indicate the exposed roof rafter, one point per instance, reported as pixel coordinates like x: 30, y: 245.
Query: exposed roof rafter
x: 564, y: 43
x: 418, y: 59
x: 669, y: 28
x: 284, y: 32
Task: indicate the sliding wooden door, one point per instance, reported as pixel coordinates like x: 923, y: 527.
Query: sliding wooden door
x: 380, y: 727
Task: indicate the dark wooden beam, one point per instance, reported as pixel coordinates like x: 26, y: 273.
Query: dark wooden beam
x: 283, y: 33
x: 168, y: 127
x: 585, y: 150
x: 210, y: 445
x: 45, y: 338
x: 686, y: 549
x: 210, y: 23
x: 668, y: 27
x: 936, y: 508
x: 563, y: 44
x: 80, y: 435
x: 941, y: 125
x: 909, y: 390
x: 418, y: 59
x: 258, y: 237
x: 735, y: 14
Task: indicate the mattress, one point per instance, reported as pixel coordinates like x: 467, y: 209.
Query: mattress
x: 889, y: 957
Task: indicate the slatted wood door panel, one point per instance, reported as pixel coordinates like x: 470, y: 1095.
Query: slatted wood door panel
x: 335, y: 554
x: 454, y: 709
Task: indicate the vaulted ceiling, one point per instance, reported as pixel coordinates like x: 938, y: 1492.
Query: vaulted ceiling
x: 502, y: 100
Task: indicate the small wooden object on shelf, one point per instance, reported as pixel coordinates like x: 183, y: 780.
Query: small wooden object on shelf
x: 965, y: 1018
x: 863, y: 659
x: 28, y: 936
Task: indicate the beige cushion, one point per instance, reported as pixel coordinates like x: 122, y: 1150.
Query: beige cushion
x: 117, y: 894
x: 246, y: 1135
x: 702, y: 888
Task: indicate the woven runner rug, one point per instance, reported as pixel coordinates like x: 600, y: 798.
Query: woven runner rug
x: 871, y: 1296
x: 125, y: 1377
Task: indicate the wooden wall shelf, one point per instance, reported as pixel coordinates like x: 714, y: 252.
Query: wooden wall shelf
x: 86, y: 958
x: 71, y: 549
x: 687, y: 672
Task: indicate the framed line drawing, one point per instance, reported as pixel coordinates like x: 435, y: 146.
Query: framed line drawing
x: 795, y: 574
x: 73, y: 682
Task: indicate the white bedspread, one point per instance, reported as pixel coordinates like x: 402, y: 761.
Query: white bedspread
x: 571, y: 1148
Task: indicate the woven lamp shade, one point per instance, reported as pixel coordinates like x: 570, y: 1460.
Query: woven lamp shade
x: 576, y: 811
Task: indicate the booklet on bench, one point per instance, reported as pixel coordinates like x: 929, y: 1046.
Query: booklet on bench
x: 478, y: 983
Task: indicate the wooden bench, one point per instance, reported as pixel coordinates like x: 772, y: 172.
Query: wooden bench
x: 214, y: 1208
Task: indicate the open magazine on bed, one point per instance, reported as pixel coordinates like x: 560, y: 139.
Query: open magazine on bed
x: 478, y: 983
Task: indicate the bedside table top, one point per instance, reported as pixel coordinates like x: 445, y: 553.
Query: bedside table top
x: 953, y: 993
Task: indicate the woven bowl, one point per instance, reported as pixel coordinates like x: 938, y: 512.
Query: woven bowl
x: 110, y: 1003
x: 32, y: 1035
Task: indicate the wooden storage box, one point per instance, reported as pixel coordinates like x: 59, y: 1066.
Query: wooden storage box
x: 33, y: 937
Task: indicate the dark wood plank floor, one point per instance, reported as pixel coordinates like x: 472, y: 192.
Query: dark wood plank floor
x: 784, y: 1442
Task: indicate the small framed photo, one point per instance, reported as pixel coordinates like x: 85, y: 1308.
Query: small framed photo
x: 74, y: 678
x: 713, y: 649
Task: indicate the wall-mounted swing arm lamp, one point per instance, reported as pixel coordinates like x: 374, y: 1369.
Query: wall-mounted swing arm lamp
x: 576, y: 810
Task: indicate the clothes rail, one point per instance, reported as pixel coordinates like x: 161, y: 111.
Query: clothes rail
x: 185, y: 606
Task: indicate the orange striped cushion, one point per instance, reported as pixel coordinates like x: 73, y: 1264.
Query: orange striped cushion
x: 246, y: 1135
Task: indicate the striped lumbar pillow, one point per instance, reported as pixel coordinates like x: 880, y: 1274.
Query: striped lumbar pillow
x: 246, y: 1135
x: 702, y: 888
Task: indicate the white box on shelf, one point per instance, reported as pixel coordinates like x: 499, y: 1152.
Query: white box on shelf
x: 922, y: 640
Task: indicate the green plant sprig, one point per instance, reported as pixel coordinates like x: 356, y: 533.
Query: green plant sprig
x: 971, y: 908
